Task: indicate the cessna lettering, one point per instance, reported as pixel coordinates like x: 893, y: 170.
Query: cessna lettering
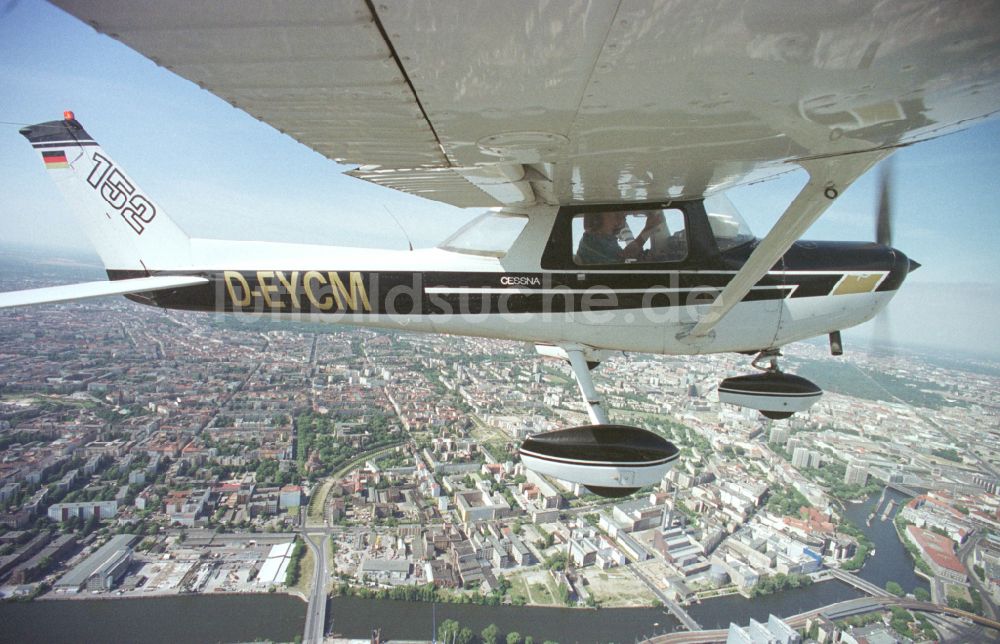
x: 520, y: 280
x: 297, y: 291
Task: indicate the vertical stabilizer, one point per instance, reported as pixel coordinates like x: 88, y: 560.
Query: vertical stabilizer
x: 127, y: 228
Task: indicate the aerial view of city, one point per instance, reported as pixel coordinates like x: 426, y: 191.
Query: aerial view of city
x: 484, y: 322
x: 357, y: 482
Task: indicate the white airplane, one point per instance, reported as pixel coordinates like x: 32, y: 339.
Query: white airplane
x: 601, y: 135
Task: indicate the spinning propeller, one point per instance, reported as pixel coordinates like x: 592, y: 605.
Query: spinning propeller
x: 882, y: 331
x: 883, y: 217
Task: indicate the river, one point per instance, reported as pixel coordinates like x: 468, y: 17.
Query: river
x: 228, y: 618
x: 353, y: 617
x: 891, y: 561
x: 184, y: 619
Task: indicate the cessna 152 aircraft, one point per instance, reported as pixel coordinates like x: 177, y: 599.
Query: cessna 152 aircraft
x: 602, y: 135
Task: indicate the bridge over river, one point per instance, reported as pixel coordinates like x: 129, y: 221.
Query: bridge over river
x: 838, y: 611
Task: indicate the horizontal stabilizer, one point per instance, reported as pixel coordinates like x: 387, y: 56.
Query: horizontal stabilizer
x: 88, y: 290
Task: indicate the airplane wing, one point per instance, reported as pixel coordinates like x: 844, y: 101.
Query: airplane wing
x: 89, y: 290
x: 485, y: 103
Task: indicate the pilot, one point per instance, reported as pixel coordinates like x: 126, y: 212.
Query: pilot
x: 600, y: 242
x: 663, y: 245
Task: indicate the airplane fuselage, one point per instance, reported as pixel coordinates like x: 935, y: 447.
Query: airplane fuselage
x: 818, y: 288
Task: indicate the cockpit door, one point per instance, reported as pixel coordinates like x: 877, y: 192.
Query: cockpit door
x: 627, y: 269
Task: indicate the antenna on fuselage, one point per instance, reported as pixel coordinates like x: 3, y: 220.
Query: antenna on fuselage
x: 410, y: 243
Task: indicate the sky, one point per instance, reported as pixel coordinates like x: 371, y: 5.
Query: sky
x: 219, y: 172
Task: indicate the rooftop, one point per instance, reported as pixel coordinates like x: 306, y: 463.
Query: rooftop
x: 937, y: 547
x: 79, y: 574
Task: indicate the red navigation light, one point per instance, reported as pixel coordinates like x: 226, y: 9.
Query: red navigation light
x: 68, y: 115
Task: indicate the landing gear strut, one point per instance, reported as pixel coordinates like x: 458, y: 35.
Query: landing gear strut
x: 773, y: 393
x: 771, y: 355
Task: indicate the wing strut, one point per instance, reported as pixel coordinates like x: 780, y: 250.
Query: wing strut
x: 828, y: 178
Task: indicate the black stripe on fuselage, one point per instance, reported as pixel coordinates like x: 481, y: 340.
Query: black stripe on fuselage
x: 446, y: 293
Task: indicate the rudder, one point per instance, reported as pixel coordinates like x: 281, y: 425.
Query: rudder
x: 129, y: 231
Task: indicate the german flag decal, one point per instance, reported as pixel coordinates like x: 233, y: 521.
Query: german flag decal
x: 55, y: 160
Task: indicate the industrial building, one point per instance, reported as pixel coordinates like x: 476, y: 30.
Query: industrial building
x: 385, y: 571
x: 275, y: 567
x: 101, y: 570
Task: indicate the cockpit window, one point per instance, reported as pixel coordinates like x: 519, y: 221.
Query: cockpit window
x: 490, y: 234
x: 626, y: 237
x: 726, y: 223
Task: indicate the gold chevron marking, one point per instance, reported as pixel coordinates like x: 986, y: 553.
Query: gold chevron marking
x: 857, y: 284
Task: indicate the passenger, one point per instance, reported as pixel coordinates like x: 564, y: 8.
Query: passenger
x: 600, y: 242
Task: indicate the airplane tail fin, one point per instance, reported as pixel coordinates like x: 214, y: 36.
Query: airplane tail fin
x: 128, y: 229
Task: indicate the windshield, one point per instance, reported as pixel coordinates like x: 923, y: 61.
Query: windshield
x: 490, y: 234
x: 727, y: 224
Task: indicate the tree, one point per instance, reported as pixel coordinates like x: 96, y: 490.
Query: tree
x: 91, y: 525
x: 513, y: 638
x: 465, y: 636
x: 556, y: 561
x: 921, y: 594
x: 894, y: 588
x: 70, y: 524
x: 294, y: 565
x: 448, y: 630
x: 564, y: 594
x: 490, y: 634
